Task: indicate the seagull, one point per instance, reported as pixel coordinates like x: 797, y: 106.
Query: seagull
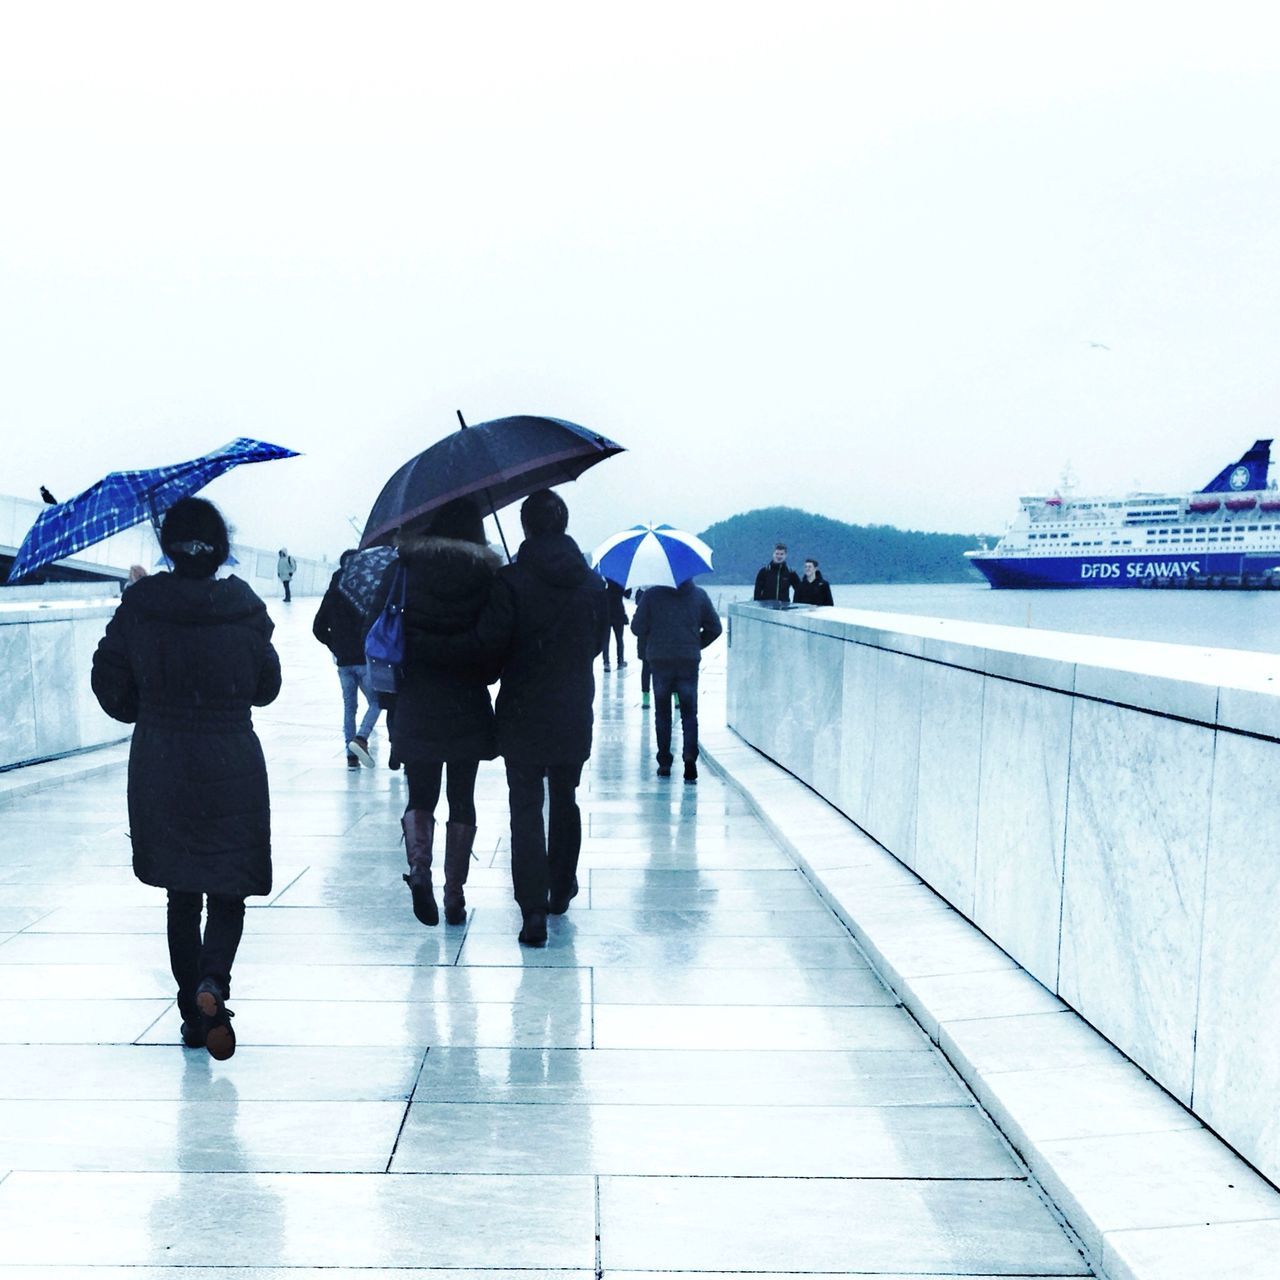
x: 1100, y: 346
x: 48, y: 497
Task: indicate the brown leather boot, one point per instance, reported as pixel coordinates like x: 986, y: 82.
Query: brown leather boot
x: 458, y: 839
x: 419, y: 830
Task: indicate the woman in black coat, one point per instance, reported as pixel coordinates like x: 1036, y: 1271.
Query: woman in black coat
x: 443, y: 718
x: 183, y: 659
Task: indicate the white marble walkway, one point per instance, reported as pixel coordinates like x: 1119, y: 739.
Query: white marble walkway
x: 699, y: 1074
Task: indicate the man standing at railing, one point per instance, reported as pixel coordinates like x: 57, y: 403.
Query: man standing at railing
x: 777, y: 580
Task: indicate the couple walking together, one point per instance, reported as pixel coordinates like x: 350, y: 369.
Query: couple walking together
x: 187, y: 655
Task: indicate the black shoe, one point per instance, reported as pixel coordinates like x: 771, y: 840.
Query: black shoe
x: 192, y: 1032
x: 219, y: 1037
x: 558, y: 903
x: 352, y: 761
x: 664, y: 771
x: 424, y: 901
x: 691, y: 771
x: 534, y: 931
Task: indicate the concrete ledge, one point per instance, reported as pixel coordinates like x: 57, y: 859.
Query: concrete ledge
x: 25, y: 779
x: 1151, y: 1192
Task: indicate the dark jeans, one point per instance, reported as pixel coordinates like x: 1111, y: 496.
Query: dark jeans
x: 683, y: 681
x: 287, y: 594
x: 543, y: 861
x: 644, y: 676
x: 617, y: 628
x: 193, y: 958
x: 460, y: 788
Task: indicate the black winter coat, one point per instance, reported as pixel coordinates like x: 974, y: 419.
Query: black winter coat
x: 444, y: 713
x: 543, y: 623
x: 617, y: 610
x: 776, y: 582
x: 674, y: 624
x: 816, y: 592
x: 183, y: 660
x: 339, y: 627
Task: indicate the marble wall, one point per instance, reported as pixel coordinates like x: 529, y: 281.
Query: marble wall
x: 46, y: 705
x: 1099, y: 808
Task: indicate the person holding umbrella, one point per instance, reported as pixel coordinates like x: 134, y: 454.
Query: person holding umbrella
x: 674, y: 625
x: 442, y: 725
x: 184, y: 659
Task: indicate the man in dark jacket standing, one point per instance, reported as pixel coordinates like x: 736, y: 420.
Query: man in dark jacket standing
x: 341, y: 630
x: 672, y: 626
x: 813, y: 588
x: 542, y: 623
x: 776, y: 581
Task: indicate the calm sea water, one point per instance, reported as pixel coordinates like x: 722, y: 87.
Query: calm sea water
x: 1219, y: 619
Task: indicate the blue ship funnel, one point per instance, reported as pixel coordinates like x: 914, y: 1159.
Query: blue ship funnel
x: 1249, y: 473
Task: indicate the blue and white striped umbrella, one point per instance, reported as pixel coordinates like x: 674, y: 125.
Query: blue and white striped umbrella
x: 652, y: 555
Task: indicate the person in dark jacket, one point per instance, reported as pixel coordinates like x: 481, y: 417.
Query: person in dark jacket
x: 813, y: 588
x: 674, y: 625
x: 184, y: 658
x: 645, y: 673
x: 777, y: 579
x: 443, y: 723
x: 616, y: 623
x: 542, y: 624
x: 340, y: 628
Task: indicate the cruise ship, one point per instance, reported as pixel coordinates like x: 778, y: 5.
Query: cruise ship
x: 1224, y: 535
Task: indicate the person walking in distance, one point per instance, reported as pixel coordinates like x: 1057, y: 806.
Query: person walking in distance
x: 673, y: 625
x: 777, y: 579
x: 184, y: 658
x: 813, y: 588
x: 443, y: 723
x: 339, y: 627
x: 286, y: 567
x: 616, y: 622
x: 542, y: 623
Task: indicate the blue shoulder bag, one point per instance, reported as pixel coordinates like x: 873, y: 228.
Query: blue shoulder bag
x: 384, y: 645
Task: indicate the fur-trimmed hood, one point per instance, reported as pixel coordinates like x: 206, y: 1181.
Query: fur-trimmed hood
x: 448, y: 580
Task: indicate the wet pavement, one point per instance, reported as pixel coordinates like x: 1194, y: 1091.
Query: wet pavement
x: 699, y: 1073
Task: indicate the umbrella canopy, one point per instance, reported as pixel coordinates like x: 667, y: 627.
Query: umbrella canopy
x: 125, y: 498
x: 360, y: 576
x: 496, y: 462
x: 652, y: 555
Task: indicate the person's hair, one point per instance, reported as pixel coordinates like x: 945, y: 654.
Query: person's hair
x: 811, y: 560
x: 459, y: 519
x: 544, y: 512
x: 195, y: 537
x: 779, y: 546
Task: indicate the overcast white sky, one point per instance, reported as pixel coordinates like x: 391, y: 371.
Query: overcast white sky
x: 843, y: 256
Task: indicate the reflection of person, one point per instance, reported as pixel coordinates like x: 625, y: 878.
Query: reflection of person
x: 542, y: 623
x: 812, y: 588
x: 443, y: 722
x: 617, y: 622
x: 339, y: 627
x: 777, y: 579
x: 184, y: 659
x: 674, y: 624
x: 286, y: 567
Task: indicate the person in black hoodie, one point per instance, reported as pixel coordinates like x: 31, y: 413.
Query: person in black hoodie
x: 339, y: 627
x: 442, y: 725
x: 616, y: 623
x: 673, y: 625
x: 542, y: 624
x: 184, y: 658
x: 776, y: 581
x: 813, y: 588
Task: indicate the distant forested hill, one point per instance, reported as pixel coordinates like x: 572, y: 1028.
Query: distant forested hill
x: 845, y: 552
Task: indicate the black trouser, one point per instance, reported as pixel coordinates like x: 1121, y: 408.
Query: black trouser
x: 617, y: 628
x: 460, y: 788
x: 287, y: 596
x: 644, y: 676
x: 543, y: 860
x: 683, y: 681
x: 194, y: 958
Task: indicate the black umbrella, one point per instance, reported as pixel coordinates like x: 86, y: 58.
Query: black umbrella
x: 497, y: 462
